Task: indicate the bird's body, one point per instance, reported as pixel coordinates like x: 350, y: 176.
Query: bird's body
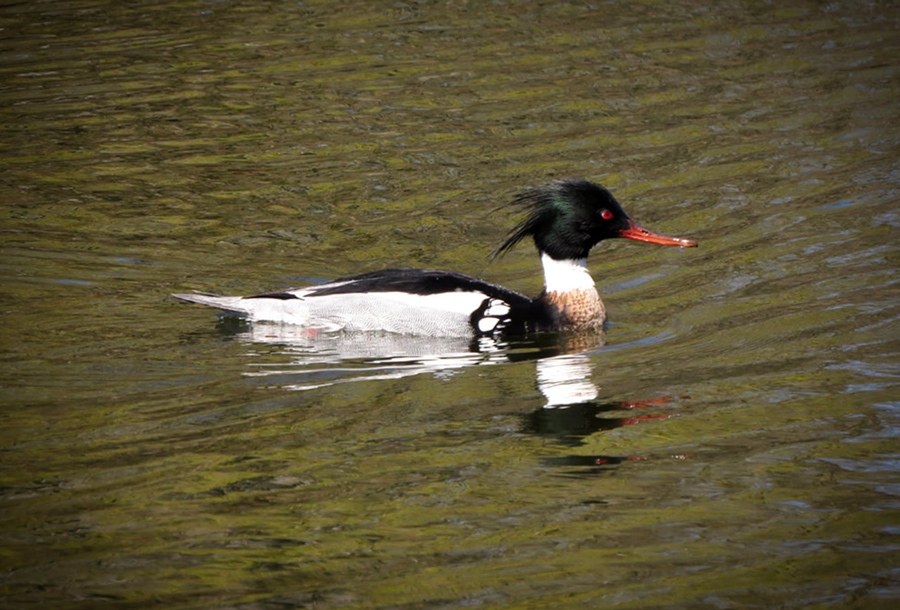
x: 409, y: 301
x: 566, y: 219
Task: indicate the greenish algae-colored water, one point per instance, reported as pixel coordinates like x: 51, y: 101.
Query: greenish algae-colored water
x: 732, y: 444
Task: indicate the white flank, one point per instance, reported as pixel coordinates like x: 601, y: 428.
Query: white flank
x: 438, y: 315
x: 445, y: 314
x: 459, y: 302
x: 566, y: 275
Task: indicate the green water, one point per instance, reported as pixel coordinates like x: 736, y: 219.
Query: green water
x: 732, y: 444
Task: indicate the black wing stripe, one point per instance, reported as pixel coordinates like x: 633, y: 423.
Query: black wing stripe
x: 418, y: 281
x: 281, y: 296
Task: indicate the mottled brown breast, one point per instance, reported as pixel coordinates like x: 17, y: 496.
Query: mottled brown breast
x: 576, y: 310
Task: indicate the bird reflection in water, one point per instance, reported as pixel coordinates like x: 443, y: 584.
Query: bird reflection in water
x: 571, y: 413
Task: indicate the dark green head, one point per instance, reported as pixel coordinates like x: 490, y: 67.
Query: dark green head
x: 568, y: 218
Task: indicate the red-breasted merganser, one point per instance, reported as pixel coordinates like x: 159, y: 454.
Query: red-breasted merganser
x: 566, y: 219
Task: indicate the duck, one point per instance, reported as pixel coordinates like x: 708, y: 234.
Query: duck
x: 565, y: 219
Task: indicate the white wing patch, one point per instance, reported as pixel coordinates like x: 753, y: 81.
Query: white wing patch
x: 497, y: 309
x: 494, y: 316
x: 487, y: 325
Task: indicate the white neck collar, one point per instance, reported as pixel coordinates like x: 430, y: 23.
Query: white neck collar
x: 566, y: 275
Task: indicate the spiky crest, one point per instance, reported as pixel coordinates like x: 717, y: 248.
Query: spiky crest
x: 564, y: 218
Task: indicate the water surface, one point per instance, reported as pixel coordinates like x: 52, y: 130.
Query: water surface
x: 731, y: 443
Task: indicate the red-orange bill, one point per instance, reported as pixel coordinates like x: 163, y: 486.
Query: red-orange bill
x: 639, y: 233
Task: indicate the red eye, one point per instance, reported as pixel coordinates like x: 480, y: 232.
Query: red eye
x: 606, y: 215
